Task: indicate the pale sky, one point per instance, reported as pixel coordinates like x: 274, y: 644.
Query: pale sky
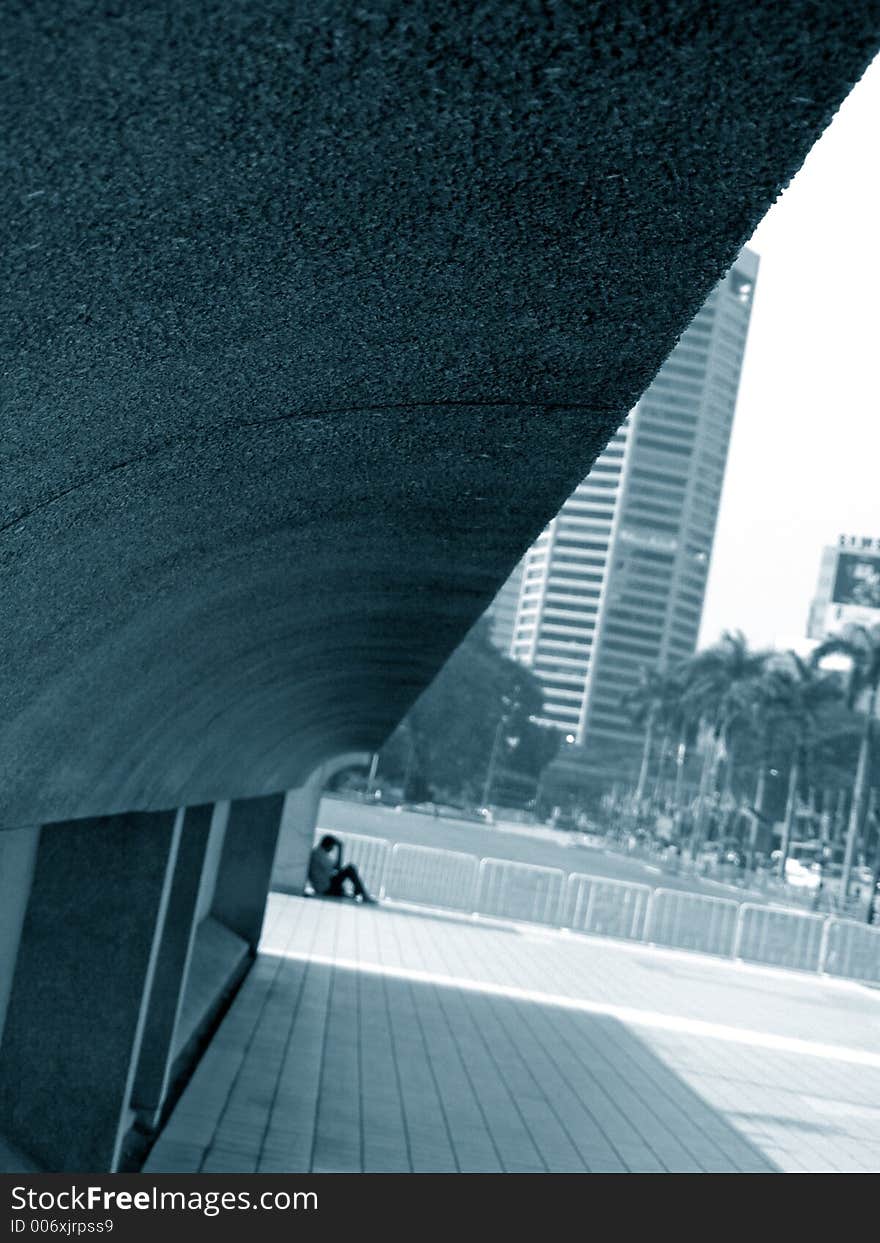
x: 805, y: 452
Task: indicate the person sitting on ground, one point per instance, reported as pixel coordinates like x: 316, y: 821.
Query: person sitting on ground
x: 327, y: 876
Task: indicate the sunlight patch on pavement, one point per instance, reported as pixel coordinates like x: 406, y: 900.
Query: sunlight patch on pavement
x: 650, y: 1019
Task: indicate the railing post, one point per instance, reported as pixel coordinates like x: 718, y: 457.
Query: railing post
x: 481, y: 872
x: 738, y: 931
x: 560, y: 891
x: 636, y: 915
x: 389, y: 869
x: 383, y: 875
x: 575, y: 909
x: 824, y: 945
x: 475, y: 882
x: 590, y: 903
x: 764, y: 921
x: 648, y: 925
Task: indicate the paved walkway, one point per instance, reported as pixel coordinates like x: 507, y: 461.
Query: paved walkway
x: 380, y: 1039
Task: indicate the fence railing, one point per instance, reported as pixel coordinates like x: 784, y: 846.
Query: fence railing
x: 852, y: 951
x: 692, y: 921
x: 779, y: 937
x: 430, y: 877
x: 609, y: 908
x: 500, y: 888
x: 519, y: 891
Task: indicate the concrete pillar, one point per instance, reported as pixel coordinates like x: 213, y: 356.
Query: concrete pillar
x: 172, y: 967
x: 89, y: 945
x: 246, y: 865
x: 18, y: 852
x: 299, y: 819
x: 212, y: 859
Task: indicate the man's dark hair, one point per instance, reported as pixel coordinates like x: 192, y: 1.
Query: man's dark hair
x: 328, y: 841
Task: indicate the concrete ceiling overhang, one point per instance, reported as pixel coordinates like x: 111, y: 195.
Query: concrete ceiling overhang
x: 313, y: 314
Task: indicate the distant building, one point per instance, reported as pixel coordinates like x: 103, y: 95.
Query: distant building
x: 561, y: 581
x: 615, y: 583
x: 848, y: 589
x: 502, y: 614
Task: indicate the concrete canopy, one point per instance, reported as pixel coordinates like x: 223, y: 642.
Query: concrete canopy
x: 313, y: 315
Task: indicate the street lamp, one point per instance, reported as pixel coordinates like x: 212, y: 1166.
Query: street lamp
x: 371, y: 777
x: 539, y: 789
x: 509, y: 707
x: 493, y: 759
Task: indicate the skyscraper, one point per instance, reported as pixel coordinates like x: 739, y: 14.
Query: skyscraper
x: 615, y: 583
x: 562, y: 582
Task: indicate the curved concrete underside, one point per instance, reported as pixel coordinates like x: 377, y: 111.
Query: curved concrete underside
x: 313, y: 316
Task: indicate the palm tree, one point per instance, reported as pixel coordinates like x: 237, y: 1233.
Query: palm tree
x: 797, y: 693
x: 683, y: 726
x: 676, y: 728
x: 717, y: 688
x: 763, y: 718
x: 650, y: 704
x: 861, y: 646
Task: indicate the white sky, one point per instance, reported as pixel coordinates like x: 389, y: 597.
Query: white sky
x: 805, y: 452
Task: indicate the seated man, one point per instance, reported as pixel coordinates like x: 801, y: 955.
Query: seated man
x: 327, y: 876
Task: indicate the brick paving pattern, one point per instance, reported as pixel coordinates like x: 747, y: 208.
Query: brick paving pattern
x: 379, y: 1039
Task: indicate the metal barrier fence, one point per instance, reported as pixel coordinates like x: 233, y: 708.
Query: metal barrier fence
x: 431, y: 877
x: 609, y: 908
x: 519, y: 891
x: 777, y: 936
x: 851, y: 951
x: 692, y: 921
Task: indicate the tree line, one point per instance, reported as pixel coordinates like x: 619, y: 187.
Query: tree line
x: 750, y: 713
x: 721, y: 728
x: 474, y: 736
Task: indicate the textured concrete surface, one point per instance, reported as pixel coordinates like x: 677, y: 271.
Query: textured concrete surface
x: 312, y: 316
x: 18, y: 852
x: 371, y: 1039
x: 169, y: 981
x: 246, y: 865
x: 76, y: 1011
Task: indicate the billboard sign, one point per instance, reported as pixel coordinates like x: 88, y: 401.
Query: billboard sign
x: 857, y: 581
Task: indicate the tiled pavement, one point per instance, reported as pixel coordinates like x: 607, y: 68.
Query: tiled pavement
x: 380, y: 1039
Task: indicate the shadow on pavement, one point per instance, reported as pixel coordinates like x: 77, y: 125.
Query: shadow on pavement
x: 329, y: 1069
